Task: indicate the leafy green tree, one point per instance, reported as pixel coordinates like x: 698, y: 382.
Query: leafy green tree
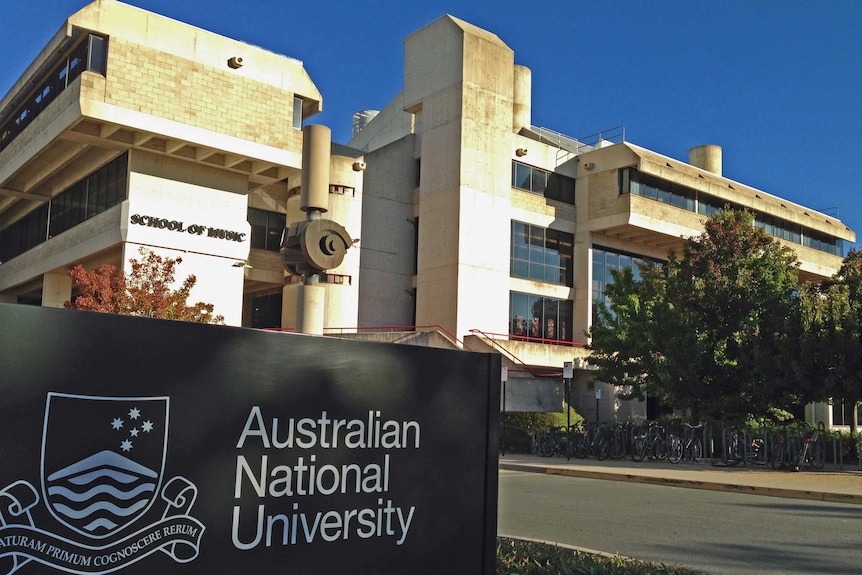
x: 702, y: 334
x: 146, y: 292
x: 829, y: 357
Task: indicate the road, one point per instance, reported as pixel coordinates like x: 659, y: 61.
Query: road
x: 714, y: 532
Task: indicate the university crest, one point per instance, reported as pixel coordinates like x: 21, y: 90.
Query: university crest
x: 102, y: 468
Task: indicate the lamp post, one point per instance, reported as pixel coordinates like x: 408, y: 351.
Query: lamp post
x: 568, y: 373
x: 504, y: 375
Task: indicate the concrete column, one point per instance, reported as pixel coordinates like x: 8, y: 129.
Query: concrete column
x: 522, y: 95
x: 316, y: 144
x: 707, y: 157
x: 310, y: 307
x: 56, y: 289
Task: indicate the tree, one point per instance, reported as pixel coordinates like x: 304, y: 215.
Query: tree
x: 702, y: 334
x: 145, y: 292
x: 829, y: 316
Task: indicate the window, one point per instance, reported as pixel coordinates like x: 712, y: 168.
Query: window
x: 636, y: 183
x: 604, y: 262
x: 104, y: 188
x: 266, y: 311
x: 540, y: 319
x: 842, y: 412
x: 541, y: 254
x: 297, y: 112
x: 548, y: 184
x: 91, y: 53
x: 266, y: 229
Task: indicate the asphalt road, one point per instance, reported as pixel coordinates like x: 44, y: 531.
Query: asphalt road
x: 713, y: 532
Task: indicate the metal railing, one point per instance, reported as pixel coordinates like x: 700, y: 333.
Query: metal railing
x: 513, y: 358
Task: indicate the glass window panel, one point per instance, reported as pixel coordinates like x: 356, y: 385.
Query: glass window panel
x: 518, y: 313
x: 536, y: 239
x: 521, y: 175
x: 551, y: 312
x: 98, y: 55
x: 537, y: 272
x: 552, y: 247
x: 297, y: 112
x: 664, y: 196
x: 535, y: 325
x: 539, y: 181
x: 564, y: 321
x: 625, y: 261
x: 520, y: 242
x: 257, y: 221
x: 275, y: 227
x: 560, y: 188
x: 688, y: 204
x: 677, y: 200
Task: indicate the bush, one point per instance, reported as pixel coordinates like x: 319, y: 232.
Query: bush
x: 516, y: 557
x: 517, y: 428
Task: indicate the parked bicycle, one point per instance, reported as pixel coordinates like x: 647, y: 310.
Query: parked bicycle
x: 813, y: 451
x: 649, y: 440
x: 556, y: 441
x: 689, y: 446
x: 799, y: 447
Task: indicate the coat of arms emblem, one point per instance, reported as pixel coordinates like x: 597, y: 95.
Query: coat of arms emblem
x: 102, y: 467
x: 102, y: 460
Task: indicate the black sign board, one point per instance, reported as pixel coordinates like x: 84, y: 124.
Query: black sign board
x: 136, y: 446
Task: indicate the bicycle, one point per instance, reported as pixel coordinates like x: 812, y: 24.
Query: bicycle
x: 596, y: 440
x: 552, y: 442
x: 813, y: 452
x: 688, y: 447
x: 733, y: 452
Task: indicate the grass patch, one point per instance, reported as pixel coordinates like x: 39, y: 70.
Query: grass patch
x: 515, y: 557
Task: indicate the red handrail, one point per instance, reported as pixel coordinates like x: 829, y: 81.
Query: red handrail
x: 394, y: 328
x: 515, y: 359
x: 528, y: 339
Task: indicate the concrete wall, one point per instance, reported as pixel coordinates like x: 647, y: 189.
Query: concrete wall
x: 171, y: 189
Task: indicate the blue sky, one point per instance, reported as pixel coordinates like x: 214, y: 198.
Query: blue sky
x: 778, y: 84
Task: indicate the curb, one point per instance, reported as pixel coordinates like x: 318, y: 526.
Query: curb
x: 689, y: 483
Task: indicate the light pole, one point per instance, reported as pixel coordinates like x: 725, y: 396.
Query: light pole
x: 504, y: 375
x: 568, y: 373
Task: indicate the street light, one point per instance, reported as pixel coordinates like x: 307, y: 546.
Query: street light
x: 568, y: 373
x: 504, y: 375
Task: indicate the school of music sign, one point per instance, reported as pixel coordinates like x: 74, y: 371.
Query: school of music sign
x: 139, y: 446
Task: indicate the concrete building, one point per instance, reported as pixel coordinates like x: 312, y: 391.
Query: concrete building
x: 475, y: 228
x: 515, y: 228
x: 131, y: 129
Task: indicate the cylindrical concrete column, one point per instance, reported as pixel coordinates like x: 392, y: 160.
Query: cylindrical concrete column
x: 56, y: 289
x: 316, y: 144
x: 522, y: 99
x: 310, y: 308
x: 707, y: 157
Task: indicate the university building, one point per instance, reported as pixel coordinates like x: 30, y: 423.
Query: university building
x: 473, y: 228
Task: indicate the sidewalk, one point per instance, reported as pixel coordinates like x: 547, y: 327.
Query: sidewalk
x: 837, y: 486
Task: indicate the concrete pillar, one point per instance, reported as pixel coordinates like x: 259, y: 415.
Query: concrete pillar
x: 707, y: 157
x: 522, y: 97
x: 56, y: 289
x: 310, y: 307
x: 316, y: 144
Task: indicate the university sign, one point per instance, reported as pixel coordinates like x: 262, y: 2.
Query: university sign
x: 252, y: 452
